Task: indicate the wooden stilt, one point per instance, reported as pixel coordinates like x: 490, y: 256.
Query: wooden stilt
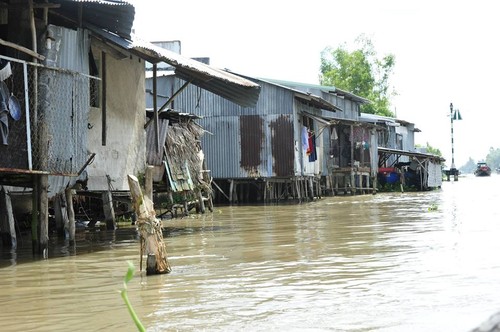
x: 231, y: 190
x: 305, y: 193
x: 265, y: 191
x: 148, y: 186
x: 150, y: 230
x: 353, y: 183
x: 301, y: 189
x: 44, y: 214
x: 34, y: 216
x: 61, y: 214
x: 297, y: 189
x: 185, y: 203
x: 71, y: 215
x: 109, y: 211
x: 7, y: 216
x: 235, y: 194
x: 201, y: 201
x: 368, y: 181
x: 311, y: 189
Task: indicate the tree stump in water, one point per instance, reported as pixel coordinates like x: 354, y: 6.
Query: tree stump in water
x: 149, y: 230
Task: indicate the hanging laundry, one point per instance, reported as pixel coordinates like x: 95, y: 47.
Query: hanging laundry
x: 309, y: 143
x: 305, y: 138
x: 5, y: 72
x: 312, y: 155
x: 5, y: 69
x: 334, y: 134
x: 4, y: 126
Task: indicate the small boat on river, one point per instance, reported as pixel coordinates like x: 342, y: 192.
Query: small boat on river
x: 482, y: 169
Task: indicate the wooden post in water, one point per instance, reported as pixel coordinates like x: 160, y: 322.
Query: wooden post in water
x: 297, y: 190
x: 109, y: 211
x: 148, y: 185
x: 150, y: 230
x: 71, y: 215
x: 201, y: 202
x: 231, y: 189
x: 43, y: 215
x: 34, y: 215
x: 61, y: 214
x: 7, y: 217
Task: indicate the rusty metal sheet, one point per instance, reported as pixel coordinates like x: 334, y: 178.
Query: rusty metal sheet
x: 252, y: 139
x: 282, y: 146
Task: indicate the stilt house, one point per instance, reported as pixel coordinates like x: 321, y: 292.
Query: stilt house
x: 398, y: 159
x: 76, y: 82
x: 273, y: 151
x: 350, y: 165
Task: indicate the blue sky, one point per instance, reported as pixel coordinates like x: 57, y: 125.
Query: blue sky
x: 446, y: 51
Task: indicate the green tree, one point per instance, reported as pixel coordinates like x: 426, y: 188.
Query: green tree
x: 430, y: 149
x: 360, y: 72
x: 469, y: 167
x: 493, y: 158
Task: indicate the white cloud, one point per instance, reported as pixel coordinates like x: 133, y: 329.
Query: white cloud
x: 445, y: 52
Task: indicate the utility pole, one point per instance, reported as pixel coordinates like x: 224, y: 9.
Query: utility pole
x: 454, y: 115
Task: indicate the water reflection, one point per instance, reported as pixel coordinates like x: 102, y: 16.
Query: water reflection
x: 386, y: 262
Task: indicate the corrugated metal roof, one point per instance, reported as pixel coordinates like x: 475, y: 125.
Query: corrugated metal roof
x: 307, y: 97
x: 325, y: 88
x: 230, y: 86
x: 410, y: 153
x: 111, y: 15
x: 374, y: 118
x: 317, y: 102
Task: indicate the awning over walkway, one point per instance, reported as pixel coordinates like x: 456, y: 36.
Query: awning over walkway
x: 385, y: 153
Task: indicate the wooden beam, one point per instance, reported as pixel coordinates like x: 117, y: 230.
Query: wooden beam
x: 22, y: 49
x: 169, y: 101
x: 46, y: 5
x: 155, y: 110
x: 103, y: 98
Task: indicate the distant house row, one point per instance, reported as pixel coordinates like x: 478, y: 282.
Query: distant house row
x: 300, y: 141
x: 80, y: 110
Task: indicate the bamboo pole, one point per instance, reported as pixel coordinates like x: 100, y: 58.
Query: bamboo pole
x: 150, y: 230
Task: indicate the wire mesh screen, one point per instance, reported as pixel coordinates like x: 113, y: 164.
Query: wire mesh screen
x: 54, y: 136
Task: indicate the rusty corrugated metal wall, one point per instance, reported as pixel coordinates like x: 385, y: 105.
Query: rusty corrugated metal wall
x: 282, y: 145
x: 252, y: 139
x: 247, y: 142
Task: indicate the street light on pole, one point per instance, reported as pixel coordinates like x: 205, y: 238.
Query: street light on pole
x: 454, y: 115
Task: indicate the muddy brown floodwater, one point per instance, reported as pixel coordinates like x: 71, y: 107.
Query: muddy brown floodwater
x: 386, y: 262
